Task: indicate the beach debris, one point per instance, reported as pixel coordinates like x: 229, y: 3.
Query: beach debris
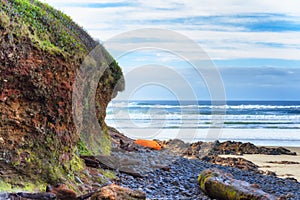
x: 115, y: 192
x: 219, y: 185
x: 148, y: 143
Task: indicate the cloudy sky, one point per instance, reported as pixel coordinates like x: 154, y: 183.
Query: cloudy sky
x: 255, y: 45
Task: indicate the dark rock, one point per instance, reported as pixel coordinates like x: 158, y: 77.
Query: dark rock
x: 4, y: 195
x: 240, y: 163
x: 268, y: 172
x: 239, y: 148
x: 90, y: 161
x: 292, y: 179
x: 41, y: 196
x: 120, y: 141
x: 284, y: 162
x: 176, y: 146
x: 113, y: 163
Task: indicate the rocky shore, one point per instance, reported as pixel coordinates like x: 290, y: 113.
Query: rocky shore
x: 180, y: 179
x: 172, y: 173
x: 48, y: 153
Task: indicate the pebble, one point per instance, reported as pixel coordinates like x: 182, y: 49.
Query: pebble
x: 181, y: 181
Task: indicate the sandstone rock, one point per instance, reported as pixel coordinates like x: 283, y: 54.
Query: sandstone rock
x: 220, y: 185
x: 62, y: 192
x: 115, y: 192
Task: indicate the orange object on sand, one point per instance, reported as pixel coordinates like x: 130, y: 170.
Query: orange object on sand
x: 148, y: 143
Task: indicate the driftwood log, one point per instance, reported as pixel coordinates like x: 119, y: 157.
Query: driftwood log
x: 219, y: 185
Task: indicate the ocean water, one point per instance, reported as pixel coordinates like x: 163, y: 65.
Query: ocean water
x: 270, y: 123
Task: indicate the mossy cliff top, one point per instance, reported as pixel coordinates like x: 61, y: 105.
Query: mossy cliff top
x: 48, y: 29
x: 41, y: 50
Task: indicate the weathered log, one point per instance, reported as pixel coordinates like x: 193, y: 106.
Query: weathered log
x: 219, y: 185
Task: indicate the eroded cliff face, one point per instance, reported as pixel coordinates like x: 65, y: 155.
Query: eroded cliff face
x: 41, y: 50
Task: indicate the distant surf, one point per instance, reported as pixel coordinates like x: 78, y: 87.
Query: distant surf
x: 260, y: 122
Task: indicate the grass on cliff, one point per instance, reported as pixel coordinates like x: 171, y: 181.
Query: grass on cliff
x: 49, y: 29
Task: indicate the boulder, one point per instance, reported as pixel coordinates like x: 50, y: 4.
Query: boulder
x: 115, y: 192
x: 239, y: 148
x: 219, y: 185
x: 240, y: 163
x: 174, y: 147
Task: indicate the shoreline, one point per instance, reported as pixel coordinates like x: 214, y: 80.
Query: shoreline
x: 259, y: 137
x: 279, y: 163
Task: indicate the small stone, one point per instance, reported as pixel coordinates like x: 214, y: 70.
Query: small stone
x: 77, y: 179
x: 270, y: 173
x: 1, y: 140
x: 115, y: 192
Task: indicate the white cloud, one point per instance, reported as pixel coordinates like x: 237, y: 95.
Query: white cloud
x: 219, y: 41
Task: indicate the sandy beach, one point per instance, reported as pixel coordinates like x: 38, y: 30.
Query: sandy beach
x: 282, y: 170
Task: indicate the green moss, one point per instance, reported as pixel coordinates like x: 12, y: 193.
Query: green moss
x: 4, y: 187
x: 4, y: 20
x: 220, y: 190
x: 109, y: 174
x: 22, y: 186
x: 48, y: 28
x: 82, y: 149
x: 105, y: 142
x: 76, y: 164
x: 98, y: 143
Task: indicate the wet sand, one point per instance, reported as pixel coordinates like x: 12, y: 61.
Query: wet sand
x: 282, y: 170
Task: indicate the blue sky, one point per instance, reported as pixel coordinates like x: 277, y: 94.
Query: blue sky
x: 254, y: 44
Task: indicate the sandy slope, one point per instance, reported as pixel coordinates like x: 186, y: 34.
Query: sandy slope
x: 282, y: 170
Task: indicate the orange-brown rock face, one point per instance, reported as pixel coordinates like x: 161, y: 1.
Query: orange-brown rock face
x: 37, y: 131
